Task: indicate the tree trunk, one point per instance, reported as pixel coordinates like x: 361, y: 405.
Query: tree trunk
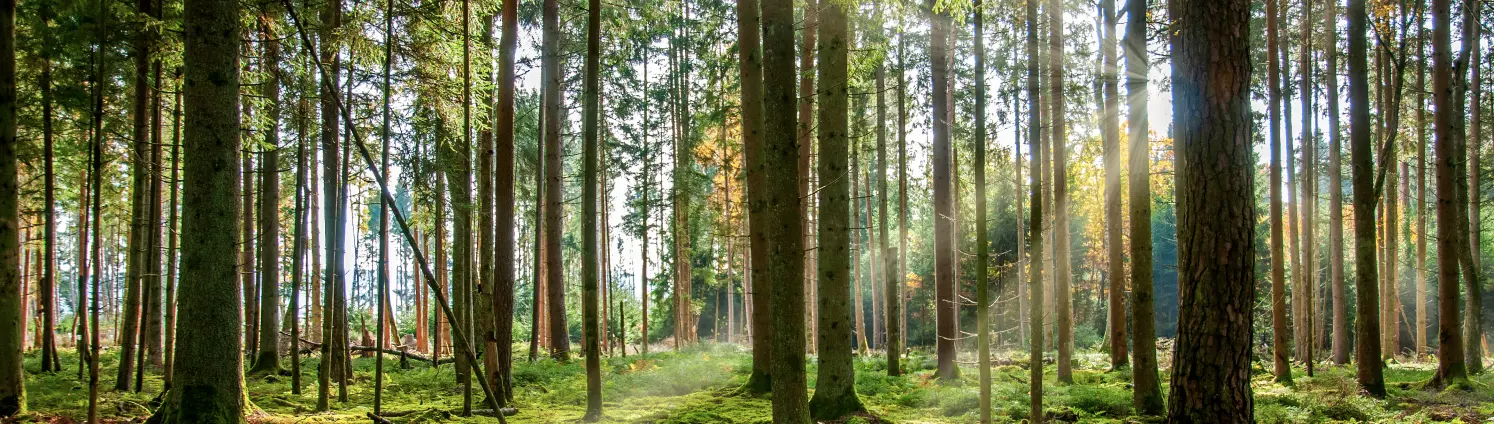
x: 1280, y: 350
x: 591, y: 121
x: 560, y: 342
x: 481, y: 303
x: 1062, y: 295
x: 944, y: 251
x: 503, y: 291
x: 1307, y: 346
x: 208, y: 382
x: 1035, y: 220
x: 12, y: 387
x: 897, y: 314
x: 139, y: 177
x: 1421, y: 188
x: 684, y: 324
x: 1340, y: 312
x: 749, y: 59
x: 267, y: 357
x: 1216, y: 212
x: 1451, y: 366
x: 784, y: 256
x: 1366, y: 329
x: 1146, y: 392
x: 806, y: 138
x: 982, y: 250
x: 835, y: 394
x: 1469, y: 199
x: 1110, y: 133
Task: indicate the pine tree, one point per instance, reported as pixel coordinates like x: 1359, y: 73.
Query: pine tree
x: 1147, y: 392
x: 784, y: 272
x: 13, y: 327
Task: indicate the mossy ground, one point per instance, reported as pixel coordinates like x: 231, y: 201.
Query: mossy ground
x: 698, y: 386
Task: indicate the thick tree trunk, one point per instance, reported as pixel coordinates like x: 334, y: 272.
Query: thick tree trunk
x: 1366, y: 322
x: 12, y: 327
x: 1469, y: 199
x: 1216, y: 212
x: 1064, y: 318
x: 139, y: 196
x: 784, y: 257
x: 331, y: 17
x: 835, y: 390
x: 1110, y: 134
x: 267, y: 356
x: 208, y: 382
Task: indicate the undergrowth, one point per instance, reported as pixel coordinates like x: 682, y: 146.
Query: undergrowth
x: 697, y: 385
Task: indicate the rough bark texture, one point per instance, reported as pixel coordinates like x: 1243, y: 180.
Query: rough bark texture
x: 12, y: 327
x: 208, y: 383
x: 503, y: 291
x: 835, y: 387
x: 1421, y: 189
x: 1216, y: 212
x: 1064, y: 318
x: 784, y: 270
x: 1147, y: 390
x: 982, y: 251
x: 1366, y: 319
x: 267, y: 356
x: 331, y: 17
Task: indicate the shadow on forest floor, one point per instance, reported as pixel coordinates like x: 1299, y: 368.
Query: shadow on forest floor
x: 697, y: 386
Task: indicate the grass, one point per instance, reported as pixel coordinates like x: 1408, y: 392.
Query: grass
x: 697, y: 385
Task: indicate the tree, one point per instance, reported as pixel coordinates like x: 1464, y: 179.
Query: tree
x: 1216, y: 211
x: 750, y: 64
x: 1335, y: 203
x: 503, y: 293
x: 1035, y: 219
x: 560, y: 344
x: 944, y: 243
x: 332, y: 353
x: 1451, y: 368
x: 1468, y: 201
x: 1421, y: 188
x: 896, y: 313
x: 1110, y: 133
x: 1366, y: 319
x: 835, y: 390
x: 589, y: 263
x: 139, y: 221
x: 1280, y: 349
x: 208, y: 383
x: 267, y: 357
x: 1306, y: 347
x: 1065, y: 318
x: 982, y: 250
x: 48, y: 286
x: 780, y: 203
x: 13, y: 327
x: 890, y: 275
x: 1146, y: 392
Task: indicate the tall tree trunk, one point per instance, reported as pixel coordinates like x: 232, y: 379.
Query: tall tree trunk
x: 1280, y: 350
x: 944, y: 251
x: 835, y: 392
x: 267, y: 357
x: 482, y: 293
x: 139, y: 177
x: 591, y: 121
x: 331, y: 18
x: 80, y: 314
x: 1062, y: 295
x: 1307, y: 346
x: 685, y: 321
x: 890, y: 276
x: 898, y: 311
x: 982, y: 250
x: 298, y: 243
x: 1469, y: 199
x: 1421, y: 188
x: 458, y: 163
x: 784, y: 256
x: 172, y: 253
x: 208, y: 380
x: 96, y: 173
x: 1035, y: 219
x: 1216, y: 212
x: 1340, y: 310
x: 503, y: 291
x: 1110, y: 133
x: 12, y: 327
x: 1366, y: 328
x: 806, y: 138
x: 1146, y: 392
x: 749, y: 59
x: 560, y: 343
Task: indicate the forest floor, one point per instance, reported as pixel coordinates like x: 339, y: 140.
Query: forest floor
x: 698, y: 385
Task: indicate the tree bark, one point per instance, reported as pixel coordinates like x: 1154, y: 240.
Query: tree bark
x: 783, y: 228
x: 267, y: 356
x: 835, y: 390
x: 944, y: 251
x: 749, y: 59
x: 590, y: 236
x: 1280, y: 349
x: 1366, y: 327
x: 1061, y: 296
x: 1035, y: 220
x: 1340, y: 310
x: 560, y: 344
x: 208, y: 383
x: 13, y: 326
x: 1216, y: 212
x: 503, y: 291
x: 1110, y: 134
x: 1147, y: 392
x: 982, y: 250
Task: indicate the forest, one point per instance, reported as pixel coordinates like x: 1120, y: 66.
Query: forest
x: 749, y: 211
